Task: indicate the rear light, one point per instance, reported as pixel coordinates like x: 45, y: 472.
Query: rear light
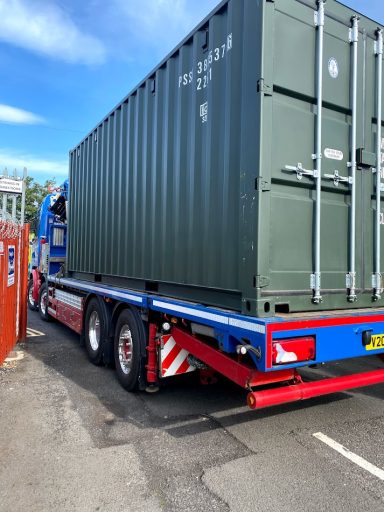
x: 293, y: 350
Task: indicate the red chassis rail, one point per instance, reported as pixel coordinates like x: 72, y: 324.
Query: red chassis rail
x: 292, y: 389
x: 239, y: 373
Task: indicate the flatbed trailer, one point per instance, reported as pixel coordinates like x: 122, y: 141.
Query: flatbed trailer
x: 150, y: 337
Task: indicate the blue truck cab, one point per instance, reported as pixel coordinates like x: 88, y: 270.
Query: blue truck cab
x: 49, y: 247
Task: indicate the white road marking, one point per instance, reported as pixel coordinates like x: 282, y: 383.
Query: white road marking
x: 31, y: 333
x: 359, y: 461
x: 15, y: 355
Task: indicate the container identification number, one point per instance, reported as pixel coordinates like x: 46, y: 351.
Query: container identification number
x: 203, y: 72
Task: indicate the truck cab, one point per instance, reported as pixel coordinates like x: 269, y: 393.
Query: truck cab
x: 49, y: 246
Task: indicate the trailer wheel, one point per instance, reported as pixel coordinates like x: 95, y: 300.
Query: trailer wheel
x: 129, y: 350
x: 43, y: 303
x: 94, y: 331
x: 32, y: 304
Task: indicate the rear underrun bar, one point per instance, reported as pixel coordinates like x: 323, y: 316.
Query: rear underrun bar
x: 291, y: 389
x: 306, y: 390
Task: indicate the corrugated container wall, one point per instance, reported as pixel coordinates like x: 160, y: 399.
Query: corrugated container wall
x: 196, y: 185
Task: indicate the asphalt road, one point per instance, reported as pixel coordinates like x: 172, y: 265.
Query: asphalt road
x: 71, y: 439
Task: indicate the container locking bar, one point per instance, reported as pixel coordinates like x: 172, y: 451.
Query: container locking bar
x: 376, y: 276
x: 315, y: 281
x: 351, y: 275
x: 319, y: 23
x: 316, y: 277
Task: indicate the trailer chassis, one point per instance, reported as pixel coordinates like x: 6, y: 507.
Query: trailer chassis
x: 252, y: 352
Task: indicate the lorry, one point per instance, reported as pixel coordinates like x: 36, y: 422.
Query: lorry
x: 225, y: 217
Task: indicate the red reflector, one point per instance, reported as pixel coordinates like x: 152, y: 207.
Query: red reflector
x: 293, y: 350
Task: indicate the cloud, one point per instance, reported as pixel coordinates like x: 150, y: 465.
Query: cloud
x: 14, y: 115
x: 157, y: 24
x: 35, y: 165
x: 46, y: 29
x: 154, y: 18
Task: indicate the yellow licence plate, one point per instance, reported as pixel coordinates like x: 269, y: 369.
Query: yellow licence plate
x: 377, y: 342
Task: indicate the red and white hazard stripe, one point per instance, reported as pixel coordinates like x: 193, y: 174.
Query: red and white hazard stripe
x: 173, y: 358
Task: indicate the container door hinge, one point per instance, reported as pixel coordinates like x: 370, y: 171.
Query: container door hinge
x: 262, y: 281
x: 262, y: 184
x: 266, y: 89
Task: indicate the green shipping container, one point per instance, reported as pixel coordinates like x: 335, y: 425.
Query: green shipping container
x: 241, y: 172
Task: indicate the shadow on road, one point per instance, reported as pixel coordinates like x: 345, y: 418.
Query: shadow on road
x: 183, y: 407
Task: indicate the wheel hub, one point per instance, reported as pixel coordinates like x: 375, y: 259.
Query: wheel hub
x: 30, y: 296
x: 94, y: 330
x: 43, y: 303
x: 125, y: 349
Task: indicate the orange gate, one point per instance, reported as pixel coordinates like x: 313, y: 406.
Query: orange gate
x: 14, y: 248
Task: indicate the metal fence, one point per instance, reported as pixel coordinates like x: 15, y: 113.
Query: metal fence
x: 14, y: 249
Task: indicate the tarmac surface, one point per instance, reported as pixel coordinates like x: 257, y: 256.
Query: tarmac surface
x: 71, y: 439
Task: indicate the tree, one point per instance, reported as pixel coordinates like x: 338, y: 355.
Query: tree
x: 34, y: 195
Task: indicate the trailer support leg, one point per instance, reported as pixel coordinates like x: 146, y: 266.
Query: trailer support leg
x: 152, y: 365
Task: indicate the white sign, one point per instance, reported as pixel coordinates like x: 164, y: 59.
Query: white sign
x: 10, y: 186
x: 1, y: 247
x: 204, y: 112
x: 333, y: 67
x: 11, y: 265
x: 333, y: 154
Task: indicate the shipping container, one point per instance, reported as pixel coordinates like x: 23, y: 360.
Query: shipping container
x: 241, y: 172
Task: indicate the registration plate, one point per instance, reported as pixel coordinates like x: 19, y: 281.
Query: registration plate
x: 377, y: 342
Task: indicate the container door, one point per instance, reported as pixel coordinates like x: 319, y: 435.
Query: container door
x: 323, y: 199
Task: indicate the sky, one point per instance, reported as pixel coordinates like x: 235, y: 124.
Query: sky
x: 64, y: 64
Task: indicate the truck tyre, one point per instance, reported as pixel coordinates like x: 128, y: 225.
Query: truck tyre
x: 32, y: 304
x: 129, y: 350
x: 43, y: 303
x: 95, y: 331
